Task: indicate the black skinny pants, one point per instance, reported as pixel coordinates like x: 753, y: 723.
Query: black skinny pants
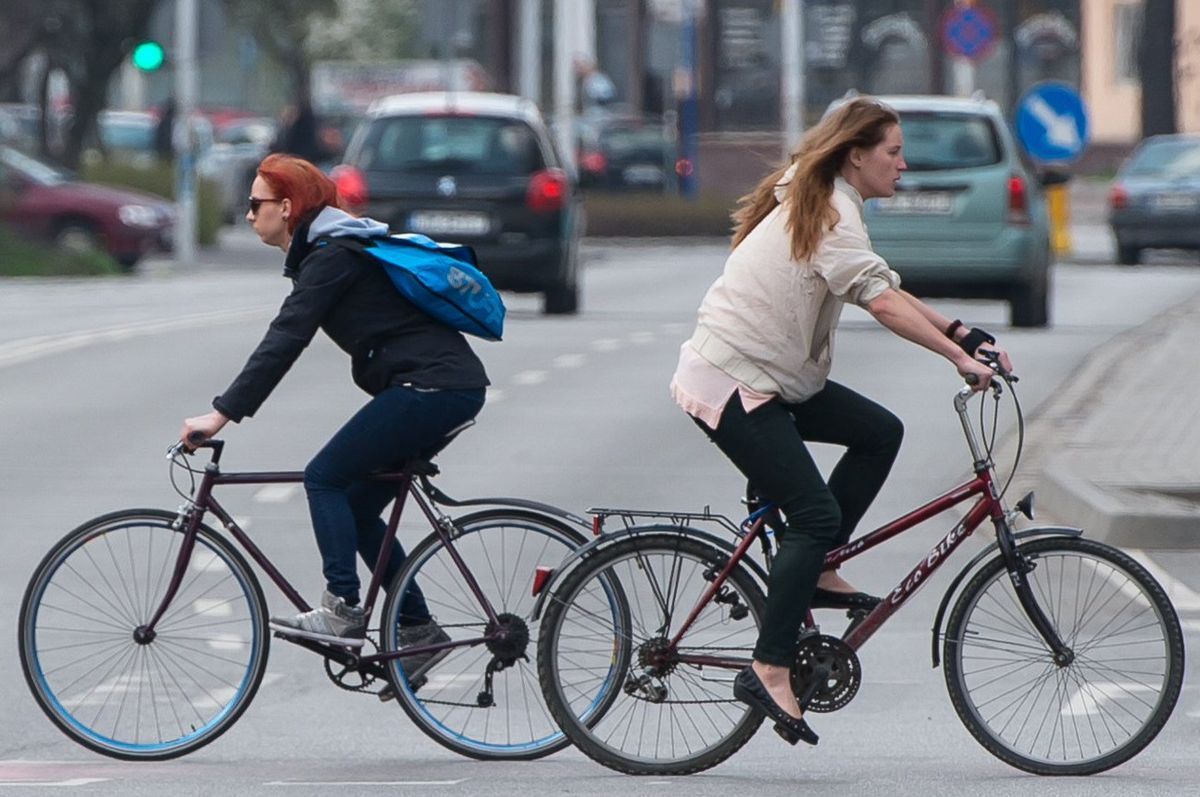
x: 768, y: 446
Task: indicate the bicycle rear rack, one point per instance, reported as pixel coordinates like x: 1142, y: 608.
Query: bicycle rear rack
x: 630, y: 517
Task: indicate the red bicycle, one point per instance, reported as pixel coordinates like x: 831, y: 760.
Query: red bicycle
x: 1063, y: 656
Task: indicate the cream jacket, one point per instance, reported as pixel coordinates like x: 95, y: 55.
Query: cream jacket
x: 769, y: 321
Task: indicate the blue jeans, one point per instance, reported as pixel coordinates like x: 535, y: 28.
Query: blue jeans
x: 395, y: 426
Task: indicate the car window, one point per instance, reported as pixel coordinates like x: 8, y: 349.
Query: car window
x: 1166, y: 159
x: 462, y: 144
x: 40, y: 173
x: 934, y: 141
x: 623, y: 140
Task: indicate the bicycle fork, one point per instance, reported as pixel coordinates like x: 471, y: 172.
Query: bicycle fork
x: 1019, y: 567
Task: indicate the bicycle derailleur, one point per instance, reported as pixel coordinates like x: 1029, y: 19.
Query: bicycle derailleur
x: 826, y: 674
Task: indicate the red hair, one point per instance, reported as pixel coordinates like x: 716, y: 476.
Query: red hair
x: 303, y: 184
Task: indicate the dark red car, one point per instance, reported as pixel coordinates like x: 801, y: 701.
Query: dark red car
x: 41, y: 201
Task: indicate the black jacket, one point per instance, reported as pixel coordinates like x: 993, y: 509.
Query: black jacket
x: 349, y: 296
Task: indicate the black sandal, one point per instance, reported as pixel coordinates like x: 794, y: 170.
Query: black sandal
x: 828, y: 599
x: 749, y: 689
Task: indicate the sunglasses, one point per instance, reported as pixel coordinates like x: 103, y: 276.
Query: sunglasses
x: 257, y: 202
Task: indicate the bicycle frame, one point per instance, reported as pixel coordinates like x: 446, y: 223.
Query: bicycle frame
x: 988, y: 505
x: 192, y: 515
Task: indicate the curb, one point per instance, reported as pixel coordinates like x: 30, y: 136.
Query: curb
x: 1126, y: 515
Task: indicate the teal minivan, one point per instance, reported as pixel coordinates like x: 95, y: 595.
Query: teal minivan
x: 969, y: 216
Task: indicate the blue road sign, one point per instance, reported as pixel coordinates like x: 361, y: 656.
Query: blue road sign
x: 1052, y: 122
x: 969, y: 31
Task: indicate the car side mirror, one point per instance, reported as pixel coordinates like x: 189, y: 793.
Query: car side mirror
x: 1049, y: 178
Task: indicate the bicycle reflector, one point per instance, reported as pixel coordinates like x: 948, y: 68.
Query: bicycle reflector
x: 541, y: 574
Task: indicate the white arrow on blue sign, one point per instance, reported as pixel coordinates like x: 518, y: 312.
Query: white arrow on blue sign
x: 1052, y: 122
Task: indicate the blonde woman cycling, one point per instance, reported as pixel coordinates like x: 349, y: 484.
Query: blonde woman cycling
x: 754, y: 375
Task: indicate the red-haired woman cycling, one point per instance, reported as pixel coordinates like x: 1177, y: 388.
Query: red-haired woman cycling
x: 423, y: 378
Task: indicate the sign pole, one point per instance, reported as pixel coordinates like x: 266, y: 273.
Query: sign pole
x: 184, y: 134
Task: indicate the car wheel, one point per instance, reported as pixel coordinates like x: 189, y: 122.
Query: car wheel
x: 1128, y: 255
x: 77, y: 236
x: 128, y: 262
x: 563, y: 298
x: 1030, y: 306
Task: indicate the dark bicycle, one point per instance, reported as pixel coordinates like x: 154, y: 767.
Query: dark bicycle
x: 143, y: 633
x: 1063, y: 656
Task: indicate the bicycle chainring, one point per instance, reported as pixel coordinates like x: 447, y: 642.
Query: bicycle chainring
x: 826, y: 675
x: 353, y: 678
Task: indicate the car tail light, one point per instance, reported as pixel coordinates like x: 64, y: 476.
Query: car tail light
x: 1118, y: 197
x: 351, y: 185
x: 1018, y: 201
x: 594, y: 162
x: 547, y: 191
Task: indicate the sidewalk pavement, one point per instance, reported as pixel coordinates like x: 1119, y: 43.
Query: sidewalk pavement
x: 1119, y: 446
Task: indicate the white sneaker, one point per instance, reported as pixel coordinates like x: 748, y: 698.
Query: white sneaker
x: 334, y: 621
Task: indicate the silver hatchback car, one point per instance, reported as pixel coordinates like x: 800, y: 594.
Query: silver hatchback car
x: 969, y: 216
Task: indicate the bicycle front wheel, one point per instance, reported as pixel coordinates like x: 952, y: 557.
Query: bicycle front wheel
x: 1103, y: 707
x: 623, y: 694
x: 482, y: 702
x: 155, y: 698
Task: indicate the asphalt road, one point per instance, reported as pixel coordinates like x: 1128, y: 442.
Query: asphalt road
x: 95, y: 377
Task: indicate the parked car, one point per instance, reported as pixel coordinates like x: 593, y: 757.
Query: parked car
x: 625, y: 153
x: 475, y: 168
x: 969, y: 217
x: 232, y: 162
x: 44, y: 202
x: 1155, y: 200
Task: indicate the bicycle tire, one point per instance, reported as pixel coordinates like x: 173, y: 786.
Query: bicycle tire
x: 504, y: 545
x: 1104, y: 604
x: 153, y: 701
x: 600, y: 720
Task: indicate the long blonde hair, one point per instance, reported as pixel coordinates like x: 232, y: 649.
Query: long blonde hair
x: 861, y: 122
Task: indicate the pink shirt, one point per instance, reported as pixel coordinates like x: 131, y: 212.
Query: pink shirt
x: 702, y: 390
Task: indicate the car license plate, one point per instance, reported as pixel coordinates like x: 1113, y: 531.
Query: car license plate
x: 443, y: 222
x: 1175, y: 203
x: 924, y: 203
x: 643, y: 174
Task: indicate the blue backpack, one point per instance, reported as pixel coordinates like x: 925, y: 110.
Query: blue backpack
x: 443, y: 280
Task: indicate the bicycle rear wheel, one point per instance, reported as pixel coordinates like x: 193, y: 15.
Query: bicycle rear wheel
x: 1092, y: 714
x: 159, y: 698
x: 480, y: 702
x: 610, y: 678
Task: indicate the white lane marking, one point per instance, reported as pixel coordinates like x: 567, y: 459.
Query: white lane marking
x: 26, y: 349
x: 1183, y: 597
x: 365, y: 782
x: 530, y: 378
x: 570, y: 360
x: 1190, y: 625
x: 675, y: 327
x: 276, y: 493
x: 493, y: 395
x: 68, y: 782
x: 1090, y: 699
x: 606, y: 344
x: 640, y: 338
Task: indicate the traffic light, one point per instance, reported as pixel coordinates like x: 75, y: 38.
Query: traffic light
x: 148, y: 56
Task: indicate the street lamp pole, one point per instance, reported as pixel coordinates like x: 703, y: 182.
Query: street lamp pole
x: 184, y: 134
x: 792, y: 83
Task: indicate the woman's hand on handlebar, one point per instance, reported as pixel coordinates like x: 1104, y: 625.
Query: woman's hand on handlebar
x: 975, y: 373
x: 1000, y: 355
x: 200, y: 428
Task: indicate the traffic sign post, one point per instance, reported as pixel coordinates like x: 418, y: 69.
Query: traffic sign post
x: 1052, y: 125
x: 969, y: 34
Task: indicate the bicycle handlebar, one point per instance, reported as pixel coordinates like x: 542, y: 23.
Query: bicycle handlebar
x: 992, y: 360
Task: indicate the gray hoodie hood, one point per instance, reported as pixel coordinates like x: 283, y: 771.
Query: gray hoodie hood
x: 336, y: 223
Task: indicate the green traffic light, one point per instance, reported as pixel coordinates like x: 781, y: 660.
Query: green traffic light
x: 148, y: 56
